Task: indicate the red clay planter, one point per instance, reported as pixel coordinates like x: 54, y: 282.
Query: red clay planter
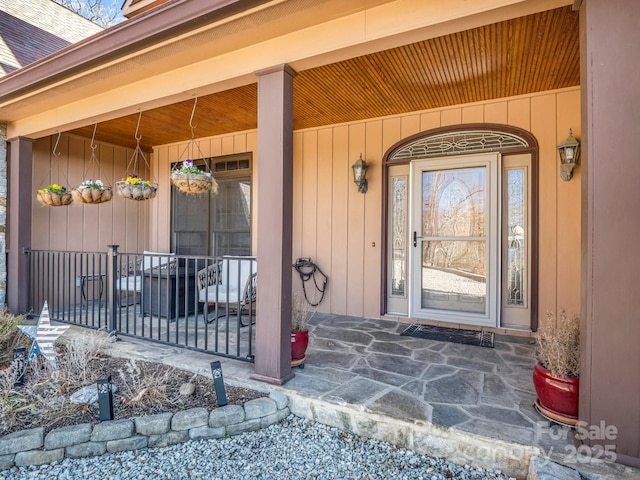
x: 299, y: 343
x: 557, y: 397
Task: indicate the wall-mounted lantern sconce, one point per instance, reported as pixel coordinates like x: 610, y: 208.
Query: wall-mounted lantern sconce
x: 360, y: 174
x: 569, y: 154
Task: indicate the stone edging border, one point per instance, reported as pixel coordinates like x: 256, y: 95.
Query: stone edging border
x: 32, y: 447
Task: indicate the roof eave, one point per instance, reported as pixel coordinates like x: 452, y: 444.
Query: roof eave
x: 142, y: 31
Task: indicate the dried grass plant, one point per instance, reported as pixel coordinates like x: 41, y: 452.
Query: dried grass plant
x: 45, y: 384
x: 558, y: 344
x: 77, y: 356
x: 301, y: 313
x: 10, y: 336
x: 41, y: 391
x: 139, y: 389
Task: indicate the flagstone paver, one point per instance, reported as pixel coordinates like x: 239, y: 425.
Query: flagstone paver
x: 429, y: 357
x: 391, y: 348
x: 389, y: 378
x: 436, y: 371
x: 452, y: 389
x: 463, y: 386
x: 402, y: 405
x: 343, y: 335
x: 448, y: 415
x: 359, y: 392
x: 471, y: 364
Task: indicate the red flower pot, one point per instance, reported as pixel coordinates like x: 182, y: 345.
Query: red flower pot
x: 299, y: 342
x: 557, y: 395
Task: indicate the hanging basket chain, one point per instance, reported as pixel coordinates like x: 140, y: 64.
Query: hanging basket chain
x: 92, y: 190
x: 132, y: 166
x: 93, y: 166
x: 49, y: 196
x: 189, y: 178
x: 134, y: 188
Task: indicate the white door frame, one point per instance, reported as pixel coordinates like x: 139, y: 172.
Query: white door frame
x: 491, y: 161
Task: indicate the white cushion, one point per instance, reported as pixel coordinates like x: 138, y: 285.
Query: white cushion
x: 149, y: 260
x: 132, y: 283
x: 231, y: 293
x: 212, y: 295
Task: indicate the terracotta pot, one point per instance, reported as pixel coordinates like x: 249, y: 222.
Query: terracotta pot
x: 299, y: 343
x: 558, y: 395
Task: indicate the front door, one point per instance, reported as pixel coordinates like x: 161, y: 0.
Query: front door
x: 454, y: 242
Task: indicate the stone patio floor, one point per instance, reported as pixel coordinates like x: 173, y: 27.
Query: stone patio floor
x: 366, y: 364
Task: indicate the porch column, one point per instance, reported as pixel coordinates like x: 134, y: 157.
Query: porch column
x: 610, y: 310
x: 3, y: 214
x: 19, y: 224
x: 275, y: 210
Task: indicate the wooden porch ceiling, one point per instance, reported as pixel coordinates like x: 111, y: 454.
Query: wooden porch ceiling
x: 528, y: 54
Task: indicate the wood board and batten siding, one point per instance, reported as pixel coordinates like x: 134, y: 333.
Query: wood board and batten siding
x: 334, y: 224
x: 81, y: 227
x: 338, y: 227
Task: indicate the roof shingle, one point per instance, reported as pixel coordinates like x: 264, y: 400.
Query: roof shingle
x: 32, y: 29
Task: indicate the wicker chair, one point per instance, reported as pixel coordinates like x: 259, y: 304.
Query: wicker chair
x: 229, y: 283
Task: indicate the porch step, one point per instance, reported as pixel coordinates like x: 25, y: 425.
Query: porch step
x: 424, y: 438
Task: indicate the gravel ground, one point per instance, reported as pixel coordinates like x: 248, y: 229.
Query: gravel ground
x: 294, y: 449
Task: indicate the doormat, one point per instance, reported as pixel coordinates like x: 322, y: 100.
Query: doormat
x: 442, y: 334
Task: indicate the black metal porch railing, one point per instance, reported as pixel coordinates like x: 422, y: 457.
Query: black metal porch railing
x: 200, y: 303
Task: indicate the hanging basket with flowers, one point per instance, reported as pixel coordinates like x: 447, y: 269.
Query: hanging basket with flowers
x: 54, y: 196
x: 190, y: 179
x: 135, y: 188
x: 92, y: 192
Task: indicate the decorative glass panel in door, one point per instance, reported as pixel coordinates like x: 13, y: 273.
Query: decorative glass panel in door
x: 454, y: 230
x: 516, y: 250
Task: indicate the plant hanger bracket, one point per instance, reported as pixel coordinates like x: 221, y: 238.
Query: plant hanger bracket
x: 94, y: 163
x: 192, y: 144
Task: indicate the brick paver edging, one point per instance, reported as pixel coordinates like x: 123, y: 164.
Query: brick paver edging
x: 33, y: 447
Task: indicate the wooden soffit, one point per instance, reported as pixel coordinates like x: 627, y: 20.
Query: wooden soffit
x: 524, y: 55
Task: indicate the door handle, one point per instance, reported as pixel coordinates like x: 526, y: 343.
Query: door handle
x: 415, y: 238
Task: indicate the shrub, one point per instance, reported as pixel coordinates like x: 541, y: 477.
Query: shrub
x: 559, y: 345
x: 77, y: 354
x: 10, y: 336
x: 300, y: 313
x: 140, y: 389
